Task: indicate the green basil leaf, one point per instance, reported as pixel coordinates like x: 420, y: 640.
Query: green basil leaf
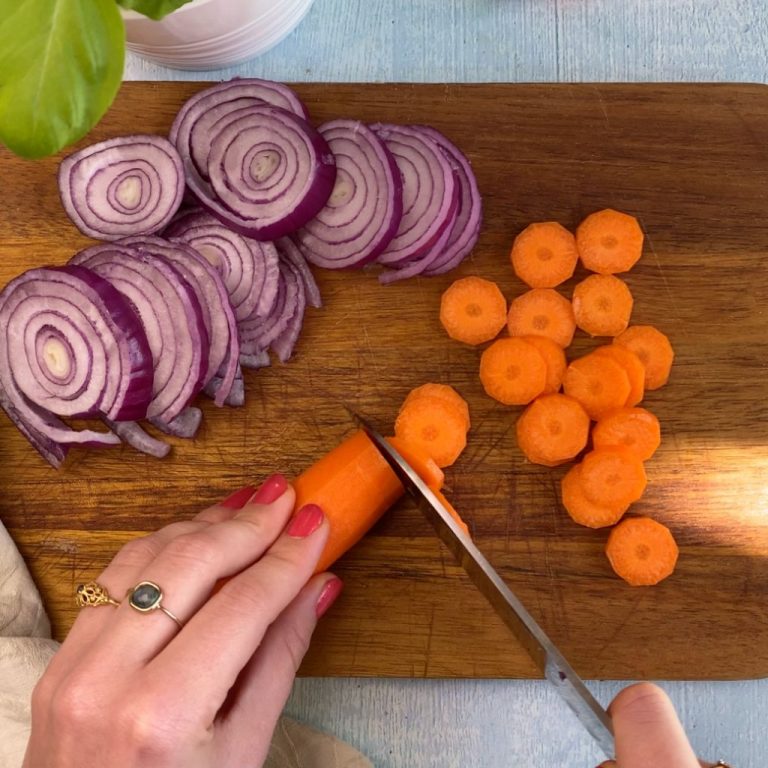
x: 61, y: 63
x: 155, y: 9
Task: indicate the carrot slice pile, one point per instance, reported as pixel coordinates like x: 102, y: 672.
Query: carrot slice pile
x: 613, y: 477
x: 542, y: 312
x: 581, y: 509
x: 602, y: 305
x: 598, y: 382
x: 554, y: 357
x: 513, y: 371
x: 642, y: 551
x: 633, y: 428
x: 441, y: 392
x: 473, y: 310
x: 544, y: 254
x: 609, y: 241
x: 420, y: 461
x: 434, y: 426
x: 632, y: 365
x: 552, y: 429
x: 654, y: 350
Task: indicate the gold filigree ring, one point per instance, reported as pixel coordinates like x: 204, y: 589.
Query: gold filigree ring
x: 147, y: 596
x: 92, y: 594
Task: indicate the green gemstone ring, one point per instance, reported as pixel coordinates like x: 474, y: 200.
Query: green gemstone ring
x: 147, y: 596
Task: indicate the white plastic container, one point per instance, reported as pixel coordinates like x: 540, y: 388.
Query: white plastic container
x: 210, y: 34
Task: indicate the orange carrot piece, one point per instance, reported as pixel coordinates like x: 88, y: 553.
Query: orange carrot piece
x: 642, y: 551
x: 598, y: 382
x: 654, y: 350
x: 544, y: 254
x: 449, y: 507
x: 634, y: 428
x: 554, y: 357
x: 613, y: 477
x: 632, y: 365
x: 609, y: 242
x: 354, y: 486
x: 441, y: 392
x: 581, y: 509
x: 542, y: 312
x: 513, y: 371
x: 552, y: 429
x: 435, y: 426
x: 420, y: 462
x: 602, y: 305
x: 473, y: 310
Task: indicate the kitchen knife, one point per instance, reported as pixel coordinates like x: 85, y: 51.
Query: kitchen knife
x: 512, y: 612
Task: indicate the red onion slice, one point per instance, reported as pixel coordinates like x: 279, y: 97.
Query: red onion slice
x: 236, y: 396
x: 132, y: 433
x: 184, y: 425
x: 270, y: 172
x: 290, y: 253
x: 248, y: 268
x: 365, y: 208
x: 428, y: 193
x: 131, y: 185
x: 255, y: 361
x: 171, y: 316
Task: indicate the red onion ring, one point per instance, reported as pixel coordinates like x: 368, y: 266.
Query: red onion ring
x: 290, y: 253
x: 364, y: 210
x: 131, y: 185
x: 132, y: 433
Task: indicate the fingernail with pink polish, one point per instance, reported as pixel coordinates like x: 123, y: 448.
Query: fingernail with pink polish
x: 330, y: 592
x: 238, y: 498
x: 307, y: 520
x: 270, y: 490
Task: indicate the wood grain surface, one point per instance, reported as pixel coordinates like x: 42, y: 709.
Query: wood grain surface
x: 690, y: 162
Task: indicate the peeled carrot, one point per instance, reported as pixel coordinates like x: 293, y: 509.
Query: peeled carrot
x: 441, y: 392
x: 642, y: 551
x: 634, y: 428
x: 632, y: 365
x: 581, y: 509
x: 654, y: 350
x: 454, y: 514
x: 552, y: 429
x: 473, y: 310
x: 613, y: 477
x: 554, y: 357
x: 435, y: 426
x: 609, y: 242
x: 544, y: 254
x: 602, y: 305
x: 420, y: 462
x: 354, y: 486
x: 542, y: 312
x: 598, y: 382
x: 513, y: 371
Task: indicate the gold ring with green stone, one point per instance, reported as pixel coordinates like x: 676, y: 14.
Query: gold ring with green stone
x: 147, y: 596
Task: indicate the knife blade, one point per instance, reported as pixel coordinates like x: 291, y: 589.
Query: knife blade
x: 508, y: 607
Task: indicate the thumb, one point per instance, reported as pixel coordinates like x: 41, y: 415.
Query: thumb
x: 648, y: 731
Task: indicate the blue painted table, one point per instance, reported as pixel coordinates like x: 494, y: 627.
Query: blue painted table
x: 495, y: 724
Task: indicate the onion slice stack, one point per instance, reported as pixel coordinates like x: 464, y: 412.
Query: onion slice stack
x: 71, y: 345
x: 172, y: 320
x: 364, y: 210
x: 132, y: 185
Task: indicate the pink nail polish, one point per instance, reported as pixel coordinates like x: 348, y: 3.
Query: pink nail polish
x: 238, y: 498
x: 307, y: 520
x: 330, y: 592
x: 270, y: 490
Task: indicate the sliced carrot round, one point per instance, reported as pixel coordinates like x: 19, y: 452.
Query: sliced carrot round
x: 442, y: 392
x: 598, y: 382
x: 513, y: 371
x: 544, y: 254
x: 654, y: 350
x: 581, y: 509
x: 632, y: 365
x: 473, y: 310
x: 542, y: 312
x: 554, y: 357
x: 420, y: 461
x: 434, y: 426
x: 642, y: 551
x: 634, y: 428
x: 609, y: 242
x: 552, y: 429
x: 602, y: 305
x: 613, y: 477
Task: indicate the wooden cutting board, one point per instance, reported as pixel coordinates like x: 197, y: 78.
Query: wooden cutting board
x: 691, y: 163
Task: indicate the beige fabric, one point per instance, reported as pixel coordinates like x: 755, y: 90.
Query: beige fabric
x: 26, y: 649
